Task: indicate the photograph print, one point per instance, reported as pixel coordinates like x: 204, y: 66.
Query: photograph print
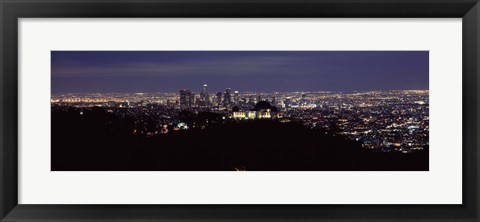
x: 239, y: 110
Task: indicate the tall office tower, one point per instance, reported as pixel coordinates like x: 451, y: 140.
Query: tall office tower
x: 259, y: 98
x: 184, y: 98
x: 303, y: 100
x: 236, y: 98
x: 227, y: 100
x: 187, y: 99
x: 191, y: 99
x: 274, y: 101
x: 204, y: 97
x: 287, y: 102
x: 219, y: 98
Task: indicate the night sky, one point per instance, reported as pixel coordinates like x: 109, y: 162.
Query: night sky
x: 261, y: 71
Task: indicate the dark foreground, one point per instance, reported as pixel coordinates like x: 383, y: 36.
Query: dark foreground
x: 100, y: 141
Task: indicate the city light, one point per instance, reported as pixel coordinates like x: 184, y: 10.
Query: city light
x: 393, y: 120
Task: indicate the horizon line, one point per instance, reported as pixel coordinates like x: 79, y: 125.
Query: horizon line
x: 299, y: 91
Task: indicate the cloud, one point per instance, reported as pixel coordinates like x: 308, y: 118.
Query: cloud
x: 238, y: 65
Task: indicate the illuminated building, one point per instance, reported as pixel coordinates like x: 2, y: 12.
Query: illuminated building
x: 303, y: 101
x: 240, y: 115
x: 204, y: 97
x: 288, y: 102
x: 262, y: 110
x: 227, y: 97
x: 236, y: 98
x: 264, y: 114
x: 219, y: 98
x: 186, y: 99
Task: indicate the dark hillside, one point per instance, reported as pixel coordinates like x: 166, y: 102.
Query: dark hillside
x: 98, y: 140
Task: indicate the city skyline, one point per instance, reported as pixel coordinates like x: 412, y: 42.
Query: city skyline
x: 240, y: 110
x: 199, y: 90
x: 246, y: 71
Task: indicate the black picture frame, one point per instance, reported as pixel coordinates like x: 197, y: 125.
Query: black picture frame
x: 11, y: 10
